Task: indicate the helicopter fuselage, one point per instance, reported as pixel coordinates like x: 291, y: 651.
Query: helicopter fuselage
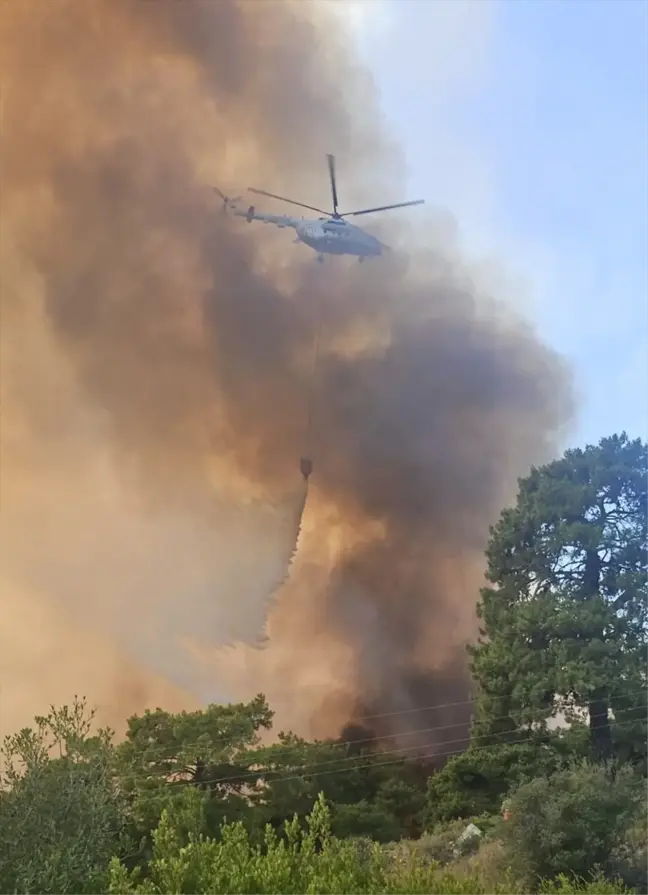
x: 330, y: 236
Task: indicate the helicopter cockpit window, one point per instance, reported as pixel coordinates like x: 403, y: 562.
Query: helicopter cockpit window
x: 335, y: 226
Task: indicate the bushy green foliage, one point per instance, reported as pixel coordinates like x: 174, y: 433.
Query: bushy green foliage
x: 571, y: 822
x: 70, y: 804
x: 436, y: 846
x: 61, y: 815
x: 212, y: 749
x: 217, y: 751
x: 564, y: 885
x: 308, y: 859
x: 629, y: 860
x: 476, y: 781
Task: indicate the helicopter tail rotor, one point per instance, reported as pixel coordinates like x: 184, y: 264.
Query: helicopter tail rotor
x: 227, y: 201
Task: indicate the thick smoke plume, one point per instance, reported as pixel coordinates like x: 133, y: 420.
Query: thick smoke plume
x: 157, y: 374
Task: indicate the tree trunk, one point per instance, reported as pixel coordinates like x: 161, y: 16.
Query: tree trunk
x: 199, y: 772
x: 599, y: 726
x: 599, y: 721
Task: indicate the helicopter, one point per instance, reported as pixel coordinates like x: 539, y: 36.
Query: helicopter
x: 329, y: 235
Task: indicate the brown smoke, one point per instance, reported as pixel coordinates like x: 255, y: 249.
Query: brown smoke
x: 157, y: 362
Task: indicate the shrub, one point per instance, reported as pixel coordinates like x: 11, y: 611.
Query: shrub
x: 489, y: 865
x: 570, y: 823
x: 475, y: 782
x: 440, y: 845
x: 629, y: 860
x: 306, y: 859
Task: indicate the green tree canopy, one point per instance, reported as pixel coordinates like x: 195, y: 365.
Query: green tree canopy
x: 368, y: 795
x: 62, y: 816
x: 217, y: 752
x: 564, y: 614
x: 476, y: 781
x: 211, y: 750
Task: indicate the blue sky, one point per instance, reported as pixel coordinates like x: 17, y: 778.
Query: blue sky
x: 527, y: 120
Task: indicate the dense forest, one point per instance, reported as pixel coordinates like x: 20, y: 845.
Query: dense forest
x: 553, y: 777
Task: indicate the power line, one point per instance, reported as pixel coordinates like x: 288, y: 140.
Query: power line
x: 151, y: 754
x: 313, y: 771
x: 360, y: 718
x: 305, y: 771
x: 162, y: 754
x: 346, y: 763
x: 171, y: 752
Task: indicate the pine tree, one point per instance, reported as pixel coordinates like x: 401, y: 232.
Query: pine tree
x: 564, y: 614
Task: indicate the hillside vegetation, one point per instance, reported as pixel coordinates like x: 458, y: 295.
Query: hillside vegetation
x: 192, y: 802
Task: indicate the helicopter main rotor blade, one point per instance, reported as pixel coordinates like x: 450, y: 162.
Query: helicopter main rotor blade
x: 331, y: 166
x: 283, y: 199
x: 349, y: 214
x: 220, y: 193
